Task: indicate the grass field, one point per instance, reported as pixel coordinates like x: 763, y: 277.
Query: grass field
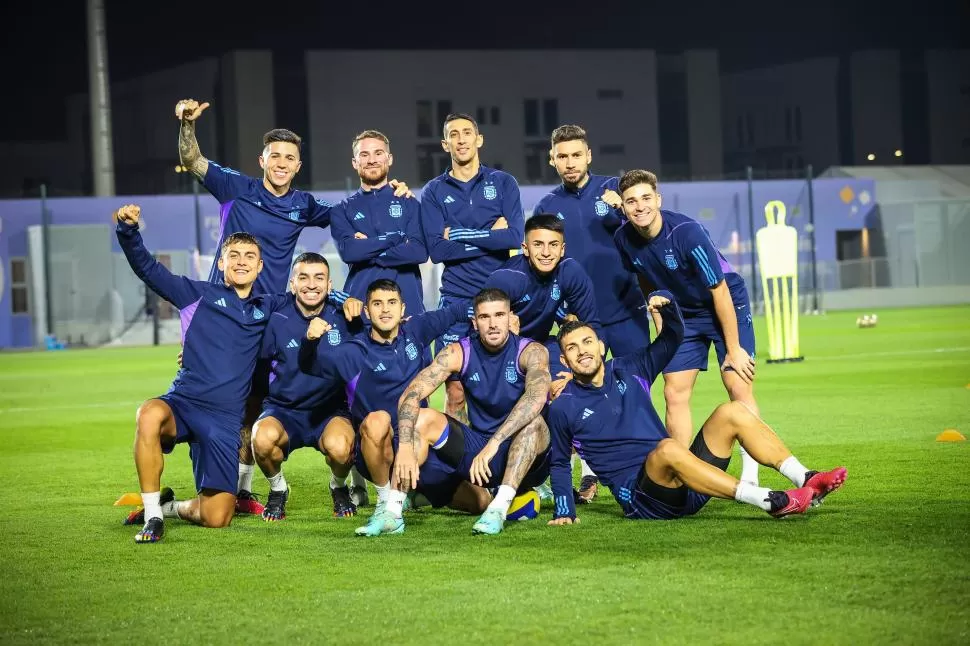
x: 885, y: 560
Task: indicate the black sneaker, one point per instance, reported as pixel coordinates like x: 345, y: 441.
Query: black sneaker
x: 587, y: 487
x: 152, y: 532
x: 248, y: 503
x: 137, y: 517
x: 275, y: 508
x: 343, y: 506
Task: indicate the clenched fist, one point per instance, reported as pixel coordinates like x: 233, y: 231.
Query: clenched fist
x: 128, y: 214
x: 656, y: 303
x: 189, y: 109
x: 318, y: 327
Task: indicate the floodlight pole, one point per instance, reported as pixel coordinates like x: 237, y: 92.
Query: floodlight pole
x: 99, y: 94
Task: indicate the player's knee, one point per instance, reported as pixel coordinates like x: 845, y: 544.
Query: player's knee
x: 216, y: 519
x: 734, y: 413
x: 265, y: 439
x: 149, y: 419
x: 216, y: 511
x: 338, y: 446
x: 376, y: 426
x: 676, y: 393
x: 455, y: 393
x: 670, y: 451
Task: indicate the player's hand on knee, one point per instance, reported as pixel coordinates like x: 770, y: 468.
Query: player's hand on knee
x: 480, y: 471
x: 352, y: 308
x: 565, y: 520
x: 400, y: 188
x: 406, y: 469
x: 612, y: 198
x: 557, y: 386
x: 501, y: 223
x: 189, y: 109
x: 656, y: 303
x: 317, y: 328
x: 741, y: 362
x: 129, y: 214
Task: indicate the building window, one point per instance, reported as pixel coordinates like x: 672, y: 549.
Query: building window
x: 480, y: 115
x: 798, y: 123
x: 444, y: 109
x: 788, y: 125
x: 749, y: 119
x: 740, y: 132
x: 612, y: 149
x: 432, y: 161
x: 550, y: 112
x: 18, y: 286
x: 607, y: 95
x: 496, y: 115
x: 424, y: 119
x: 531, y: 118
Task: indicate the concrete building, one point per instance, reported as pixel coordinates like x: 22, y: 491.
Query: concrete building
x: 948, y: 95
x: 518, y: 97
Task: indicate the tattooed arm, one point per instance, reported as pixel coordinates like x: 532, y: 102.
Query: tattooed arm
x: 406, y: 467
x: 534, y: 361
x: 188, y: 110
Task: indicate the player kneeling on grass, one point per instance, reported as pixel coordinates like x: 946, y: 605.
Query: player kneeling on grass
x: 606, y: 412
x: 222, y: 330
x: 302, y: 410
x: 505, y: 445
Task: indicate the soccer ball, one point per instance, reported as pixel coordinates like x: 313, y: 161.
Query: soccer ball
x: 524, y: 507
x: 867, y: 320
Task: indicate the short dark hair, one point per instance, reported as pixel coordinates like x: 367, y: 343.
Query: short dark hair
x: 568, y: 132
x: 569, y: 327
x: 455, y: 116
x: 369, y: 134
x: 240, y: 237
x: 312, y: 258
x: 382, y: 284
x: 490, y: 295
x: 633, y: 177
x: 282, y: 134
x: 546, y: 221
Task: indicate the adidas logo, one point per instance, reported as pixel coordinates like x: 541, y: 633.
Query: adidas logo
x: 221, y: 302
x: 258, y: 313
x: 359, y: 216
x: 586, y: 413
x: 475, y: 377
x: 449, y: 199
x: 560, y: 216
x: 525, y: 299
x: 380, y: 367
x: 293, y: 344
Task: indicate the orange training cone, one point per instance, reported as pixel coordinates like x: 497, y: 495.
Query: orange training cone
x: 950, y: 435
x: 128, y: 499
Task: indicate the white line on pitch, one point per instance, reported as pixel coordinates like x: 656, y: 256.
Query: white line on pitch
x: 891, y: 353
x: 38, y: 409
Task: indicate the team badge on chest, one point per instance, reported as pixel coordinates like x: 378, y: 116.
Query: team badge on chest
x: 511, y: 375
x: 555, y: 294
x: 670, y: 260
x: 489, y: 192
x: 294, y: 215
x: 412, y: 351
x: 601, y: 208
x: 333, y: 336
x: 395, y: 210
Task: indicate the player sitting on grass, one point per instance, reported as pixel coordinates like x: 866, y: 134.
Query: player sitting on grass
x: 606, y: 412
x: 222, y: 330
x: 301, y: 410
x: 376, y: 366
x: 505, y: 445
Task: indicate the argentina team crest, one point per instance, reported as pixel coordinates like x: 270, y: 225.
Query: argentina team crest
x: 511, y: 375
x: 601, y: 208
x: 412, y: 351
x: 294, y: 215
x: 490, y: 192
x: 621, y: 386
x: 333, y: 336
x: 555, y: 294
x: 670, y: 260
x: 395, y: 209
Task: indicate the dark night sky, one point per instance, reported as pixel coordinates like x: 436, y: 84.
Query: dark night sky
x: 46, y: 50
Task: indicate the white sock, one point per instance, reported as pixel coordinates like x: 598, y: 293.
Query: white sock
x: 753, y: 495
x: 336, y: 483
x: 277, y: 482
x: 794, y: 470
x: 383, y: 492
x: 749, y: 467
x: 586, y: 470
x: 357, y: 479
x: 245, y: 477
x: 153, y: 509
x: 395, y: 503
x: 503, y: 498
x: 171, y: 509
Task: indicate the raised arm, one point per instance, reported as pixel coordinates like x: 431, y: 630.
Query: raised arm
x: 655, y: 357
x: 426, y: 382
x: 177, y: 290
x: 187, y: 111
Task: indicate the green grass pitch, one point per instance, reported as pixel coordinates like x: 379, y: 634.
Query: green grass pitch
x: 884, y: 560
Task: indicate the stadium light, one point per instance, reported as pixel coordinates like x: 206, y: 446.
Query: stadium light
x: 898, y: 153
x: 871, y: 157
